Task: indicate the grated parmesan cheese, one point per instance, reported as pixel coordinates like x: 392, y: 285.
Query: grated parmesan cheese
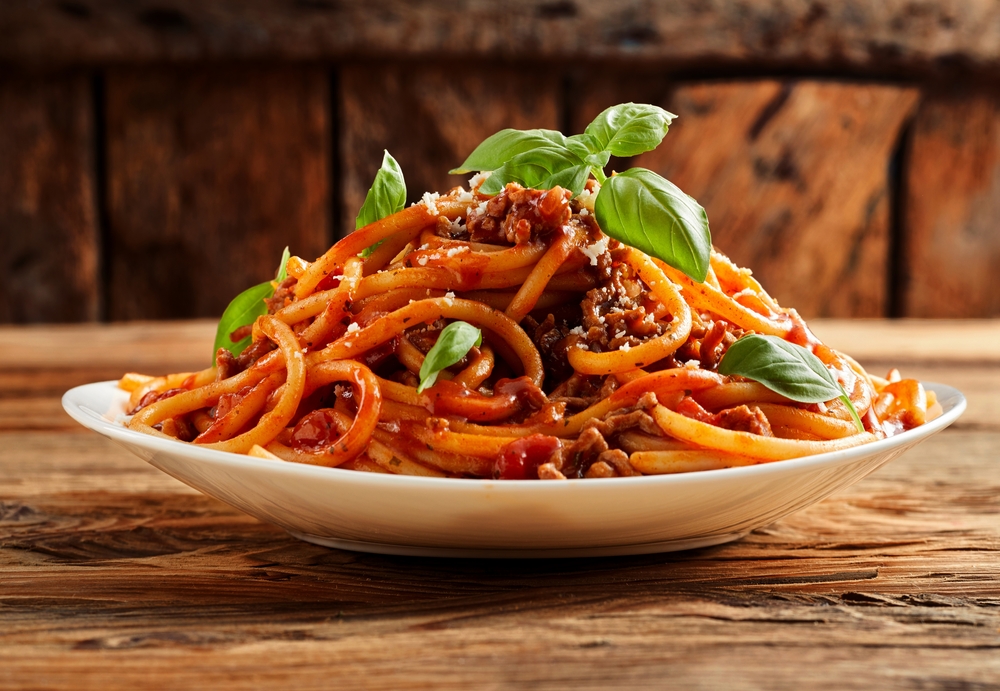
x: 449, y: 294
x: 595, y: 250
x: 625, y: 347
x: 587, y: 199
x: 353, y: 328
x: 478, y: 179
x: 429, y: 200
x: 422, y: 261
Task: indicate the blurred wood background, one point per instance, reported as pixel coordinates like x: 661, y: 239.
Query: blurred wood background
x: 156, y: 156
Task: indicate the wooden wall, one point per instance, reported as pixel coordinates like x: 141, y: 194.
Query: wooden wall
x: 155, y: 160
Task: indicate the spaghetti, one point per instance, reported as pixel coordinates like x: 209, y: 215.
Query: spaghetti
x: 596, y: 360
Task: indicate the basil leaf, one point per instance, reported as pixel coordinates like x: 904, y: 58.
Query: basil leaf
x: 505, y: 145
x: 584, y: 142
x: 244, y: 309
x: 452, y: 345
x: 650, y: 213
x: 785, y: 368
x: 283, y: 265
x: 588, y: 150
x: 386, y: 196
x: 541, y: 168
x: 630, y: 129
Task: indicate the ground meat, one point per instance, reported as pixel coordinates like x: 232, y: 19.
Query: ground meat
x: 548, y: 471
x: 550, y: 339
x: 744, y: 419
x: 617, y: 459
x: 599, y: 470
x: 618, y: 311
x: 739, y: 419
x: 614, y: 424
x: 283, y: 295
x: 518, y: 215
x: 589, y: 456
x: 254, y: 352
x: 581, y: 391
x: 225, y: 364
x: 576, y: 458
x: 709, y: 340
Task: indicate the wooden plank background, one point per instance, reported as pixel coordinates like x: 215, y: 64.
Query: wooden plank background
x: 49, y: 240
x: 155, y: 160
x: 210, y: 174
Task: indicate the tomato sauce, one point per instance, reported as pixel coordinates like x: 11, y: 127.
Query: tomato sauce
x: 520, y: 459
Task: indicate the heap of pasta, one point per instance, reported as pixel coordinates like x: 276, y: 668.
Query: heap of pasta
x: 594, y: 360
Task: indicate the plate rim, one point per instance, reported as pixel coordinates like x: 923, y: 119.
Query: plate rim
x: 98, y: 422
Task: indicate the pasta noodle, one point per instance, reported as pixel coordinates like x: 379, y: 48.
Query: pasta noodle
x: 596, y: 360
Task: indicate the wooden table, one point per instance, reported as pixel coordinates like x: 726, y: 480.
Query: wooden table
x: 113, y: 575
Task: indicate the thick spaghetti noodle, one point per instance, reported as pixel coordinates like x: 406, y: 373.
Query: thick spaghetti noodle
x: 596, y: 360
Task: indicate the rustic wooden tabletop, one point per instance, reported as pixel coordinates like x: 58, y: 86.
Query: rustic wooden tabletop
x: 113, y: 575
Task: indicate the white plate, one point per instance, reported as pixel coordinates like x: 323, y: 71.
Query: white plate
x: 393, y: 514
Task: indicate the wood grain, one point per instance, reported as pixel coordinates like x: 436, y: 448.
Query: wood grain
x: 966, y: 342
x: 48, y: 226
x: 878, y: 583
x: 115, y: 576
x: 931, y: 36
x: 430, y: 118
x: 794, y: 176
x: 211, y: 172
x: 952, y: 203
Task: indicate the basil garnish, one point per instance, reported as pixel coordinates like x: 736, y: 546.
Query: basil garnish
x: 785, y: 368
x: 542, y: 169
x: 244, y: 310
x: 499, y: 148
x: 650, y: 213
x: 630, y: 129
x: 637, y: 207
x: 386, y: 196
x: 452, y: 345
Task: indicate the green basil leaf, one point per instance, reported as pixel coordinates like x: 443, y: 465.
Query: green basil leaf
x: 386, y: 196
x: 283, y: 265
x: 630, y: 129
x: 243, y: 310
x: 452, y: 345
x: 505, y: 145
x: 787, y: 369
x: 583, y: 142
x: 783, y: 367
x: 650, y: 213
x: 588, y: 150
x: 541, y: 168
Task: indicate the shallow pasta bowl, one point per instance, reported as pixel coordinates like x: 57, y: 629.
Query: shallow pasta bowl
x: 394, y: 514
